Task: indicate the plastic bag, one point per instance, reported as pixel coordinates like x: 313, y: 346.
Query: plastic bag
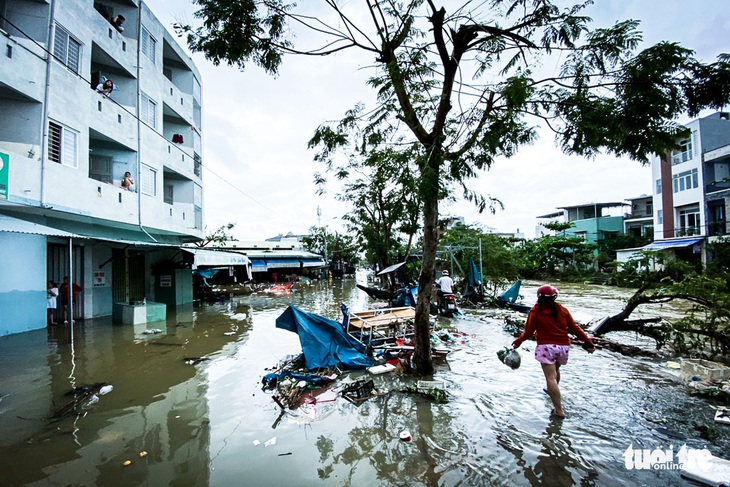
x: 510, y: 357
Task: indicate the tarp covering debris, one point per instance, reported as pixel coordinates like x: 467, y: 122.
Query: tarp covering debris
x: 325, y: 344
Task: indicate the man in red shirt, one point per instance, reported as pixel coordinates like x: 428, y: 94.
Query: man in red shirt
x: 550, y: 322
x: 63, y: 290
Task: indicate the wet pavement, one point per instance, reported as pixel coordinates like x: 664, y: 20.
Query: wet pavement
x: 190, y: 397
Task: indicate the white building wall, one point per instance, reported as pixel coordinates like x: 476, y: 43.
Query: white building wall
x: 22, y: 283
x: 34, y: 88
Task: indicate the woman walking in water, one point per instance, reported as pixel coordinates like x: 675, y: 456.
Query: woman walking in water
x: 550, y: 322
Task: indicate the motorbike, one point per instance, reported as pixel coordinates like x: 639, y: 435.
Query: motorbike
x: 447, y: 305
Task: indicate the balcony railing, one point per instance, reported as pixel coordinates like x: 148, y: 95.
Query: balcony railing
x: 717, y: 186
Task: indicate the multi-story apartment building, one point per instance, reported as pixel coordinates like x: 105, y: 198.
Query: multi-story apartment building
x: 65, y: 149
x: 691, y: 183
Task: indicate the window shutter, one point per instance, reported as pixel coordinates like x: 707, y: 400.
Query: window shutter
x: 74, y: 55
x: 54, y: 142
x: 68, y: 156
x: 60, y: 41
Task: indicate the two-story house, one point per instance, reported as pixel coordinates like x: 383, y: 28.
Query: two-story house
x: 66, y: 149
x: 591, y: 221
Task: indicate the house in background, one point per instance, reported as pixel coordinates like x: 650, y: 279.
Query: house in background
x: 65, y: 149
x: 591, y: 221
x: 692, y: 188
x: 640, y: 221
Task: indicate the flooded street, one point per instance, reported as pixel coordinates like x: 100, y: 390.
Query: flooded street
x: 190, y: 397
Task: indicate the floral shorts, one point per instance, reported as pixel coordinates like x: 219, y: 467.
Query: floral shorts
x: 550, y: 354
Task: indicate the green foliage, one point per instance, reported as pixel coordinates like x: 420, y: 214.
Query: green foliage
x: 651, y: 267
x: 704, y: 331
x: 239, y: 31
x: 555, y: 255
x: 332, y: 245
x: 559, y: 227
x: 218, y: 236
x: 381, y: 190
x: 607, y: 247
x: 500, y: 262
x: 719, y: 262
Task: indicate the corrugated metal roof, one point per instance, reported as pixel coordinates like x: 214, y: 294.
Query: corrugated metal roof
x: 16, y: 225
x: 673, y: 244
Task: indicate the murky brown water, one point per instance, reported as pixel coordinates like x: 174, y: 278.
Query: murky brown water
x: 199, y: 423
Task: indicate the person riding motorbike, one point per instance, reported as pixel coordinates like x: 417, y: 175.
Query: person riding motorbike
x: 445, y: 285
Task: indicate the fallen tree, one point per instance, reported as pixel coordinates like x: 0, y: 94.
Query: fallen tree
x: 703, y: 331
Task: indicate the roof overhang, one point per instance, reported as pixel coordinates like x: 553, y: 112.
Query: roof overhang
x: 17, y: 225
x: 675, y: 243
x: 205, y: 257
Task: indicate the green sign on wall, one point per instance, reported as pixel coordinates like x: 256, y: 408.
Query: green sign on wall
x: 4, y: 171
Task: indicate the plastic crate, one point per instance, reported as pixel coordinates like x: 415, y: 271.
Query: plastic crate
x: 704, y: 369
x: 425, y: 385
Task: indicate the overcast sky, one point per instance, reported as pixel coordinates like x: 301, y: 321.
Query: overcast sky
x: 258, y: 171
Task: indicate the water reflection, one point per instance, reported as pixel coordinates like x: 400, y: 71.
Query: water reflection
x: 211, y: 423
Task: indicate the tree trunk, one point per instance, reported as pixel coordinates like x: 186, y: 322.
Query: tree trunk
x: 423, y: 362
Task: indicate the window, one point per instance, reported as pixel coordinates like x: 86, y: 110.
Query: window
x: 684, y: 153
x: 100, y: 168
x: 197, y: 165
x: 689, y: 221
x: 716, y: 214
x: 62, y: 144
x: 658, y: 186
x: 660, y: 216
x: 169, y: 192
x: 685, y: 180
x: 149, y: 45
x: 149, y: 111
x: 197, y: 196
x: 149, y: 181
x: 66, y: 49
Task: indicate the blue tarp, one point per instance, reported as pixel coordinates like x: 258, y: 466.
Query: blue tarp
x: 512, y: 294
x: 325, y: 344
x: 474, y: 279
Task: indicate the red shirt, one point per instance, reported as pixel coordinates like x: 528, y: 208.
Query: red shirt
x: 549, y: 329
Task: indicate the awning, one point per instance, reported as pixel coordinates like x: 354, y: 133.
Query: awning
x: 673, y: 243
x: 204, y: 257
x: 258, y: 265
x: 313, y: 263
x: 390, y: 269
x: 16, y: 225
x: 282, y: 263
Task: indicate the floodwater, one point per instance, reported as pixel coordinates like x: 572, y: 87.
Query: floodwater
x: 208, y: 422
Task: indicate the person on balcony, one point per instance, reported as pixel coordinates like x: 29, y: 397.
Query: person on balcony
x: 127, y: 182
x: 105, y: 88
x: 117, y: 22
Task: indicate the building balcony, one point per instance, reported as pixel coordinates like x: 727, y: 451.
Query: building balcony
x: 717, y: 186
x: 178, y: 102
x: 112, y: 120
x: 120, y: 49
x: 23, y: 70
